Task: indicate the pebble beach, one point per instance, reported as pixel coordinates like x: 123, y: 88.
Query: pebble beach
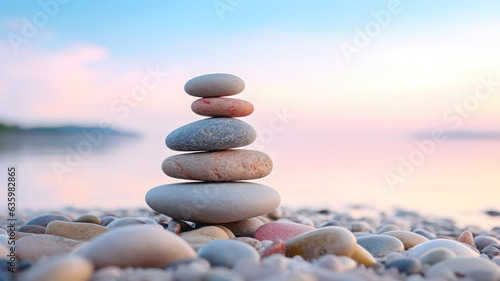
x: 217, y: 223
x: 285, y: 244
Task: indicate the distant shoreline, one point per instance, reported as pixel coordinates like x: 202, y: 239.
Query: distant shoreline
x: 70, y: 129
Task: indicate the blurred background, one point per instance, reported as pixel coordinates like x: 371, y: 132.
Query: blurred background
x: 382, y: 104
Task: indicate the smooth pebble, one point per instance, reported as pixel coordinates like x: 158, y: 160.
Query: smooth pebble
x: 460, y: 249
x: 409, y: 239
x: 75, y: 230
x: 244, y: 228
x: 60, y: 269
x: 464, y: 266
x: 280, y: 230
x: 89, y: 219
x: 362, y: 256
x: 225, y: 165
x: 136, y: 246
x: 210, y: 202
x: 214, y: 85
x: 222, y: 107
x: 227, y: 253
x: 128, y: 221
x: 326, y: 240
x: 436, y: 255
x: 34, y: 247
x: 405, y: 265
x: 215, y: 133
x: 35, y: 229
x: 483, y: 241
x: 380, y: 245
x: 204, y: 235
x: 44, y: 220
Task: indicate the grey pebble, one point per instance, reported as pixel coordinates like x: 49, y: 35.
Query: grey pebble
x: 44, y: 220
x: 483, y: 241
x: 35, y: 229
x: 227, y: 253
x: 107, y: 220
x: 380, y: 245
x: 405, y: 265
x: 436, y: 255
x: 211, y: 134
x: 125, y: 222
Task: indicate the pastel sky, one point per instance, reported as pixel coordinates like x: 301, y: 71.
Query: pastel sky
x: 84, y: 56
x: 347, y: 71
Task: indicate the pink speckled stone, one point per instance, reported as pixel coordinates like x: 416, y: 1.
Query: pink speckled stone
x: 222, y: 107
x: 280, y: 230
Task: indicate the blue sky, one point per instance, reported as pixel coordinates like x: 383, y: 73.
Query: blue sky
x: 427, y: 57
x: 132, y: 29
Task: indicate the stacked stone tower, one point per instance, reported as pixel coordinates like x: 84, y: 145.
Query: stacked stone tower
x: 217, y: 192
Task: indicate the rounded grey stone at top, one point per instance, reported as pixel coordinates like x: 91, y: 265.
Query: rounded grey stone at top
x: 214, y: 85
x: 216, y: 133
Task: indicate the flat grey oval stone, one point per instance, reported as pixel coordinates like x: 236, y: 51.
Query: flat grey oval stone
x: 213, y: 202
x: 214, y: 85
x: 216, y: 133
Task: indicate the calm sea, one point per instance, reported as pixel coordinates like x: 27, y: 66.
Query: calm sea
x: 459, y: 178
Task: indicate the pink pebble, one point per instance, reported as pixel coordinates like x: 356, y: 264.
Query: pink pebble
x: 222, y: 107
x: 280, y: 230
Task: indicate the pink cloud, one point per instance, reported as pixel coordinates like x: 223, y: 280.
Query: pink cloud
x: 73, y: 84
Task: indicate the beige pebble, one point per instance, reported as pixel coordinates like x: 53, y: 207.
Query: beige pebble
x: 229, y: 233
x: 264, y: 219
x: 136, y: 246
x: 276, y: 214
x: 244, y: 228
x: 326, y: 240
x: 75, y: 230
x: 224, y: 165
x: 60, y: 269
x: 204, y: 235
x: 33, y: 247
x: 89, y: 219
